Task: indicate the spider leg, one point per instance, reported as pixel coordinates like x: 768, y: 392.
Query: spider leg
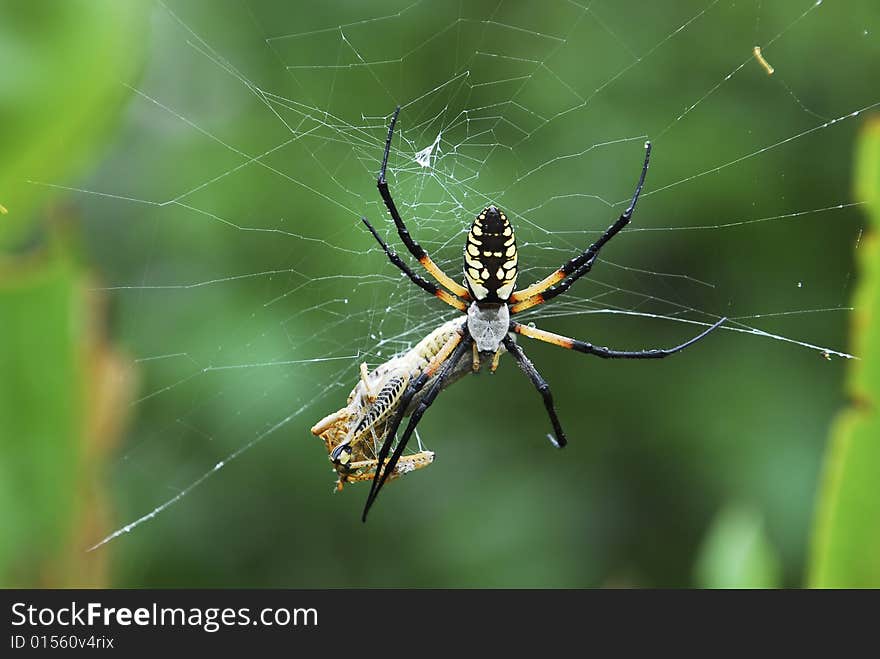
x: 419, y: 281
x: 582, y: 264
x: 384, y: 470
x: 549, y: 294
x: 605, y: 353
x: 541, y: 385
x: 414, y: 248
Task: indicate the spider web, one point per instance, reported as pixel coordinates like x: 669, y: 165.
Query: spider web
x: 227, y: 225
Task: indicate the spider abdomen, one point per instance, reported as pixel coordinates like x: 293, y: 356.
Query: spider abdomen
x: 490, y: 257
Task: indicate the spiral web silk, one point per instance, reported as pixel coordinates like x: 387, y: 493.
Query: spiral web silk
x: 516, y: 109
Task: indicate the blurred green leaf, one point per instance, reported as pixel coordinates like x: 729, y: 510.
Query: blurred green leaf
x: 846, y: 542
x: 62, y: 85
x: 61, y: 88
x: 736, y: 552
x: 41, y: 413
x: 64, y: 395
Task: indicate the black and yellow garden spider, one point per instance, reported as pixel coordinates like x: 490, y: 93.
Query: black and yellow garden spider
x: 489, y: 300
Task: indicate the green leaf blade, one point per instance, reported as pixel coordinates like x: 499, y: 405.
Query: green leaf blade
x: 846, y: 539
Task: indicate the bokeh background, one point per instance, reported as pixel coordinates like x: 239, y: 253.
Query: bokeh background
x: 187, y: 287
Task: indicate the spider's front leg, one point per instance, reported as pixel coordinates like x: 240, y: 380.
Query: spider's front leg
x: 580, y: 265
x: 414, y: 248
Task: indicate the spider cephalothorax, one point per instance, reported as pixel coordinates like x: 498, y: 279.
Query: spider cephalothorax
x: 489, y: 300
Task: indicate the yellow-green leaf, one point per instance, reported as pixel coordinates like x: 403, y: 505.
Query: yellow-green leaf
x: 736, y: 552
x: 846, y: 541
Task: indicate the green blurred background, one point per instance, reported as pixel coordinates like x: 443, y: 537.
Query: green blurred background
x: 186, y: 282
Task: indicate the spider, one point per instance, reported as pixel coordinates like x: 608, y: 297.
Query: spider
x: 488, y: 300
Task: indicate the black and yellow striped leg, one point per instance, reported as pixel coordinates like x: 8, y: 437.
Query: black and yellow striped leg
x: 384, y: 470
x: 414, y: 248
x: 549, y: 294
x: 605, y: 353
x: 580, y: 265
x: 541, y: 385
x: 419, y: 281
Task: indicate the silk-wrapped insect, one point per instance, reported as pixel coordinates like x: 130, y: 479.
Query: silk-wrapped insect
x: 353, y: 436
